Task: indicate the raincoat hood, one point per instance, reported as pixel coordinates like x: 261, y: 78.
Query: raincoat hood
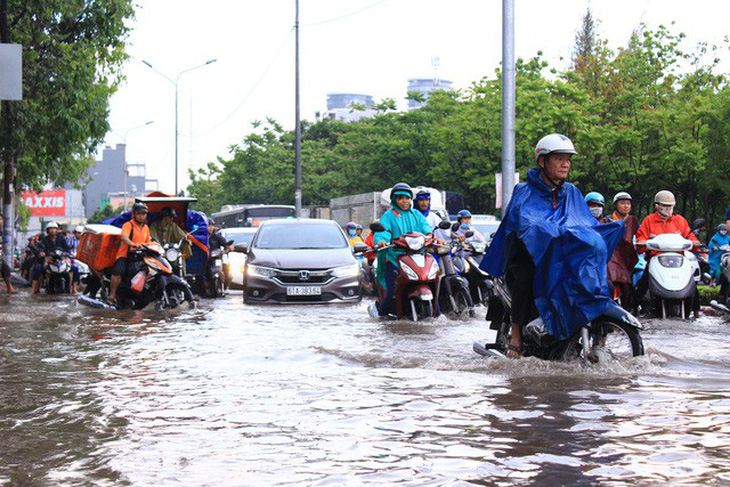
x: 569, y: 247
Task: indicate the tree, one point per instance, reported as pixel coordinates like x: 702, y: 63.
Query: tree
x: 105, y: 213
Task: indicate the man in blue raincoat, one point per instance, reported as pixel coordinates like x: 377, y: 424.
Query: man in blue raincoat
x: 552, y: 249
x: 400, y: 219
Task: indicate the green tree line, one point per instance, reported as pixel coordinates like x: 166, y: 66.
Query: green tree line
x: 644, y: 117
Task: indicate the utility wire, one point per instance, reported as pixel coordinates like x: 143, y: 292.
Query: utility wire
x: 335, y: 19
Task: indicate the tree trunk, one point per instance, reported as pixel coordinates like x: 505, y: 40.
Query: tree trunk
x: 7, y: 154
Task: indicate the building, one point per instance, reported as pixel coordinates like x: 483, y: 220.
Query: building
x: 425, y: 86
x: 340, y: 106
x: 108, y: 180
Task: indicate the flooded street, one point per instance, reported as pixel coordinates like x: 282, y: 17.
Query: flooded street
x: 323, y: 395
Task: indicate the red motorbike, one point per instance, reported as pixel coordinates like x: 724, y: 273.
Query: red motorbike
x: 418, y: 277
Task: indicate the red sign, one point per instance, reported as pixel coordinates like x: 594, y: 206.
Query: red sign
x: 47, y: 203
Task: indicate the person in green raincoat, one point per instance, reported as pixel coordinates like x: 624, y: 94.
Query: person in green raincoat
x: 166, y: 231
x: 400, y: 219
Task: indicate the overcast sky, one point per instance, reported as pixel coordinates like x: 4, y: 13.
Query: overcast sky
x: 360, y: 46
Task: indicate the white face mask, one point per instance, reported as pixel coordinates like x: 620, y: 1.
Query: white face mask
x: 597, y: 211
x: 665, y: 211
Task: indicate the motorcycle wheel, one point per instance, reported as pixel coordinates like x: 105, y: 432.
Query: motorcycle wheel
x: 462, y: 303
x: 615, y: 341
x: 176, y: 295
x: 421, y: 309
x: 220, y: 287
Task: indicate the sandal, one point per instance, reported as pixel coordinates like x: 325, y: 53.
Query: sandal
x: 517, y: 351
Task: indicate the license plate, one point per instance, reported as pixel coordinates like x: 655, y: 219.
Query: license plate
x: 303, y: 291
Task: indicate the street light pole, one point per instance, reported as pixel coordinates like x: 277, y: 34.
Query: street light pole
x: 508, y: 101
x: 297, y: 125
x: 126, y: 166
x: 175, y: 84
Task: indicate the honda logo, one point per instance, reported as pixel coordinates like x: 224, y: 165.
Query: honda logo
x: 303, y: 275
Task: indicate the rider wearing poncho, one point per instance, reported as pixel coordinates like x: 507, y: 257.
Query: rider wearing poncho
x: 552, y: 249
x: 400, y: 219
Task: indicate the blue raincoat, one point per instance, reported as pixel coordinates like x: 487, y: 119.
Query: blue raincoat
x: 569, y: 247
x: 396, y: 223
x: 718, y: 240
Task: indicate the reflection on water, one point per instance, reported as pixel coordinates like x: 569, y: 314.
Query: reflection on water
x: 236, y: 395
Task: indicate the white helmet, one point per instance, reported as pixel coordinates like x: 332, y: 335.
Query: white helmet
x: 554, y: 144
x: 79, y: 229
x: 665, y: 197
x: 52, y: 225
x: 622, y: 195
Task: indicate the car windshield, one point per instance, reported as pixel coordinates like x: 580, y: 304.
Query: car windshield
x: 239, y: 237
x: 302, y: 236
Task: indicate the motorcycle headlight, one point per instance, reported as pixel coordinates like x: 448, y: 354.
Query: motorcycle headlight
x: 433, y: 271
x: 671, y: 261
x: 347, y: 271
x: 255, y: 270
x: 410, y: 272
x: 172, y: 254
x: 416, y: 243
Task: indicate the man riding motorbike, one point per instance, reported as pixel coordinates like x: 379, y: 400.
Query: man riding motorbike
x: 552, y: 249
x: 400, y: 219
x: 216, y: 241
x: 352, y: 236
x: 624, y: 258
x: 135, y: 232
x: 422, y: 203
x: 52, y: 241
x: 662, y: 221
x: 718, y: 240
x: 595, y: 202
x: 165, y: 231
x: 73, y: 243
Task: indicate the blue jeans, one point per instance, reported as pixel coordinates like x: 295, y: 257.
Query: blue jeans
x: 386, y: 303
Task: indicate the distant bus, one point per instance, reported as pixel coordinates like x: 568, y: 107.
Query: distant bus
x: 250, y: 215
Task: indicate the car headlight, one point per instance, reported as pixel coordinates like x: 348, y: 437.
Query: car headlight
x: 433, y: 270
x: 347, y: 271
x: 410, y: 272
x: 255, y: 270
x: 416, y: 243
x: 172, y: 255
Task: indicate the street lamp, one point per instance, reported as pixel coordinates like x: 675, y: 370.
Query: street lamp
x: 126, y: 166
x: 175, y: 83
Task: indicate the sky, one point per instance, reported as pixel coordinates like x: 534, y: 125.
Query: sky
x: 355, y: 46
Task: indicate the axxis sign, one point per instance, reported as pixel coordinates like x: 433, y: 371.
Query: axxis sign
x: 47, y: 203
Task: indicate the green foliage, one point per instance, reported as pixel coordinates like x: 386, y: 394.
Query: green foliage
x: 104, y: 214
x: 72, y: 54
x: 708, y: 293
x: 23, y: 214
x: 644, y: 117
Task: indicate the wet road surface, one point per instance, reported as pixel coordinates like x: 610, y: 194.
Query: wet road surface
x: 230, y: 394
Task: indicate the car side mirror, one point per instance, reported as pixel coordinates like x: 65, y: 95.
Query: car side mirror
x: 444, y: 225
x: 242, y: 248
x: 359, y: 248
x: 376, y: 227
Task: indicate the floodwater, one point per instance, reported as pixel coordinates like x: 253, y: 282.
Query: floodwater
x: 230, y: 394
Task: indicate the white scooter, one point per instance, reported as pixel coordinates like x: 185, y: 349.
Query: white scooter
x: 673, y: 276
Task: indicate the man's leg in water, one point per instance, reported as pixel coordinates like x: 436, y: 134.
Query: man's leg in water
x: 391, y: 273
x: 520, y: 281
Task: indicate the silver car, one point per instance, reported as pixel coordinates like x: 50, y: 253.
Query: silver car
x: 301, y: 261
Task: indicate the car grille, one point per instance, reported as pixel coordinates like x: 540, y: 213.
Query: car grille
x: 303, y: 277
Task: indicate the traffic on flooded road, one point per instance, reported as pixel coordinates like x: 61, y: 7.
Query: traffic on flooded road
x: 231, y: 394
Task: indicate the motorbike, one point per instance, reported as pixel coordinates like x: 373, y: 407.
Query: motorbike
x: 418, y: 277
x: 673, y: 276
x: 480, y: 283
x: 150, y: 280
x: 612, y: 336
x: 218, y: 281
x: 724, y: 281
x: 454, y: 297
x: 58, y: 272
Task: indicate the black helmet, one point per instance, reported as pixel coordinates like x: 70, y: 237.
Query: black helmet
x: 401, y: 188
x: 167, y: 211
x: 139, y: 208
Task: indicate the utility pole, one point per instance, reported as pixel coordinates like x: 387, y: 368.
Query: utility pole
x: 7, y: 154
x: 297, y: 127
x: 508, y: 101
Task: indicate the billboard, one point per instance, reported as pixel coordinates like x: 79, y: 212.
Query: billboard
x: 51, y: 202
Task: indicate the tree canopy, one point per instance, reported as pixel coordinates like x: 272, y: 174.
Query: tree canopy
x: 644, y: 117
